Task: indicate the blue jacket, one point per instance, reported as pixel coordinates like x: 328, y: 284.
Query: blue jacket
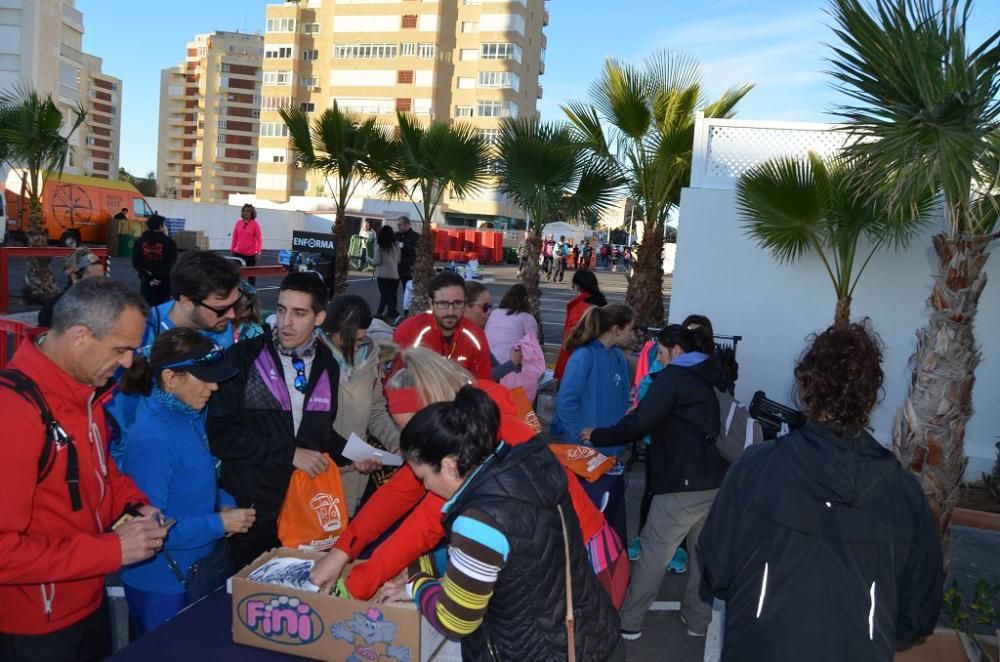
x: 122, y: 408
x: 594, y: 392
x: 166, y: 454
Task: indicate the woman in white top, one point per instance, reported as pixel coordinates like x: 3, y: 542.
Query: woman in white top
x: 387, y: 272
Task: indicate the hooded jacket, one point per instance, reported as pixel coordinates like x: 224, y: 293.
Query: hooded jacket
x: 53, y: 559
x: 247, y: 239
x: 595, y: 391
x: 468, y: 347
x: 153, y: 256
x: 681, y: 415
x: 830, y: 535
x: 575, y: 309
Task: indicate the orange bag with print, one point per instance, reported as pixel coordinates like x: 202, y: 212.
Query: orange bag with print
x: 585, y: 461
x: 315, y: 510
x: 524, y: 409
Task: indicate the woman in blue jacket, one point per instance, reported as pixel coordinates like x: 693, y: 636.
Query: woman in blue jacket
x: 595, y: 391
x: 166, y: 454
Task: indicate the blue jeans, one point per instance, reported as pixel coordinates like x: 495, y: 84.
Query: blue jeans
x: 149, y: 609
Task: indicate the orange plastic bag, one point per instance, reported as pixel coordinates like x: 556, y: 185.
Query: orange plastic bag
x: 524, y: 409
x: 315, y: 510
x: 585, y: 461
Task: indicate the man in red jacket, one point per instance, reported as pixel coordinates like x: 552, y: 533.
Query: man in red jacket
x: 445, y: 331
x: 55, y: 544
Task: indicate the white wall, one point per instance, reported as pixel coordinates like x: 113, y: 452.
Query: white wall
x: 721, y: 273
x: 217, y: 221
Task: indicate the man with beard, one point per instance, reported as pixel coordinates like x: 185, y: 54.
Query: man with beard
x: 445, y: 330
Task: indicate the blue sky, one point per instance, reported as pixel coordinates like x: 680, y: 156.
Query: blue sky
x: 777, y: 44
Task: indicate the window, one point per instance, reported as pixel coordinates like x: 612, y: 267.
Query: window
x: 281, y: 25
x: 278, y: 52
x: 490, y: 135
x: 140, y: 208
x: 463, y: 111
x: 409, y: 49
x: 470, y: 26
x: 276, y: 103
x: 310, y: 28
x: 500, y: 51
x: 366, y: 51
x: 273, y: 130
x: 499, y: 79
x: 492, y: 109
x: 425, y: 51
x: 220, y: 123
x: 404, y: 104
x: 277, y: 78
x: 221, y: 138
x: 307, y: 107
x: 310, y: 55
x: 277, y: 158
x: 404, y: 77
x: 310, y: 81
x: 409, y: 21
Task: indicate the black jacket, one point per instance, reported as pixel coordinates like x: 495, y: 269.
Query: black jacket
x: 518, y: 488
x: 153, y: 256
x: 250, y: 426
x: 408, y: 254
x: 681, y: 415
x: 824, y: 549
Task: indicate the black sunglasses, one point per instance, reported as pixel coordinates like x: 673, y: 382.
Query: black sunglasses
x: 221, y: 312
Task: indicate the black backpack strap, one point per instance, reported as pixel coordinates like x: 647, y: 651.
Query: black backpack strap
x: 55, y: 436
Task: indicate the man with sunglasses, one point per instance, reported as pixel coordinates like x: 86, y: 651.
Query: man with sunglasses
x: 445, y: 330
x: 277, y: 414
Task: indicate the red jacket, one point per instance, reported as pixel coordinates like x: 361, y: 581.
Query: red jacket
x: 246, y: 238
x: 575, y: 309
x: 423, y: 529
x: 52, y: 559
x: 469, y: 347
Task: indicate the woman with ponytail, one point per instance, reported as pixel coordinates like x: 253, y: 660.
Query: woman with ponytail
x: 515, y: 554
x: 589, y: 295
x: 166, y: 454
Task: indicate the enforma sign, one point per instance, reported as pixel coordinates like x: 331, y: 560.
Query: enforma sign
x: 313, y: 242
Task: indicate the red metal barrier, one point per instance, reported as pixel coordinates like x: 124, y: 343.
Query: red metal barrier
x: 12, y: 333
x: 265, y: 270
x: 8, y: 252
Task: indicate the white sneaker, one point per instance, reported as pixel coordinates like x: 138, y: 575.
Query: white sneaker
x: 691, y: 633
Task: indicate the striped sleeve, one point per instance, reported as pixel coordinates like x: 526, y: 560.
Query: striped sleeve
x: 455, y: 605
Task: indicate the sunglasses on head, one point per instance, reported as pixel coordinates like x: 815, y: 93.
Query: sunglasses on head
x: 214, y: 356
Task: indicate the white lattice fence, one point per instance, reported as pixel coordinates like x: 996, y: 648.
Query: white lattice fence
x: 725, y: 149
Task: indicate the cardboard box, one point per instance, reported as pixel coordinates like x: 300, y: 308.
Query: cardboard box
x: 191, y: 239
x: 942, y: 646
x: 325, y: 627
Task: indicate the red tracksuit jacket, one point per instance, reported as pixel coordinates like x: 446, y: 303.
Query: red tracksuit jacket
x: 469, y: 347
x: 422, y: 529
x: 53, y: 560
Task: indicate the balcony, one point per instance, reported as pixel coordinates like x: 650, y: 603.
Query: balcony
x: 71, y: 53
x: 540, y: 91
x: 72, y: 16
x: 545, y: 18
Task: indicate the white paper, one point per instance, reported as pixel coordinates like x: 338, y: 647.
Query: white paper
x: 357, y: 450
x: 284, y: 571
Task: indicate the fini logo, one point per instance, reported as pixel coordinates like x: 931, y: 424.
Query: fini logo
x: 280, y: 619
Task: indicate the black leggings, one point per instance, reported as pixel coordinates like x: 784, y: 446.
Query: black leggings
x: 250, y: 261
x: 388, y: 289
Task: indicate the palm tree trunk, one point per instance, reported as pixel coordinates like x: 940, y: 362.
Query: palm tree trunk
x: 530, y: 279
x: 39, y: 281
x: 423, y: 268
x: 929, y: 433
x: 645, y: 288
x: 842, y: 315
x: 340, y: 252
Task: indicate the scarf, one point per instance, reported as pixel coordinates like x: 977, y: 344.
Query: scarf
x: 303, y: 352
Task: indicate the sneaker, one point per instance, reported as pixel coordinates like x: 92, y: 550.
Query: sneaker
x: 679, y: 564
x: 634, y: 549
x: 691, y: 633
x: 630, y: 635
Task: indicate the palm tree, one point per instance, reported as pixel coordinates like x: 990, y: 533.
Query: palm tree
x: 429, y: 161
x: 794, y: 207
x: 546, y: 169
x: 35, y: 140
x: 346, y: 149
x: 925, y: 111
x: 642, y: 119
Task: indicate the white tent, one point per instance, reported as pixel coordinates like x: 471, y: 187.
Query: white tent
x: 575, y: 232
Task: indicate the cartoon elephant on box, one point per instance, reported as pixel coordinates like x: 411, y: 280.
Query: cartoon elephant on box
x: 365, y: 632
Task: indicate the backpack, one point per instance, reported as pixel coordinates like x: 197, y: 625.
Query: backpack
x: 737, y: 428
x: 563, y: 250
x: 56, y: 438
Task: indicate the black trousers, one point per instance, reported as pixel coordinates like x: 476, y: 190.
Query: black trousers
x: 84, y: 641
x: 155, y: 294
x: 388, y: 291
x: 251, y: 261
x: 263, y: 536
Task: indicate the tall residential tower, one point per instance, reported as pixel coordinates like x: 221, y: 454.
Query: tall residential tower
x: 41, y: 46
x: 209, y: 109
x: 476, y: 61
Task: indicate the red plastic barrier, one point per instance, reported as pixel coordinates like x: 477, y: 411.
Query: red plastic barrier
x: 12, y: 334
